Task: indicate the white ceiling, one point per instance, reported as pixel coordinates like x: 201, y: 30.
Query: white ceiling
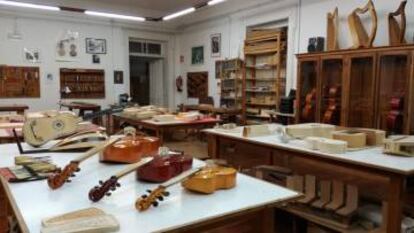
x: 144, y: 8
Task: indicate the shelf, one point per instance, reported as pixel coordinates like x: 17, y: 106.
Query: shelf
x: 262, y: 92
x: 258, y: 116
x: 263, y: 67
x: 261, y: 105
x: 262, y: 79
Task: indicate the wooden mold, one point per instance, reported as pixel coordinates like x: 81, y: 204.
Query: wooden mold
x: 332, y: 30
x: 324, y: 195
x: 337, y: 196
x: 310, y: 190
x: 359, y: 34
x: 397, y: 30
x: 399, y: 145
x: 355, y: 139
x: 351, y: 204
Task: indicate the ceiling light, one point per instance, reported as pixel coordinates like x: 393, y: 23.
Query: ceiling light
x: 214, y: 2
x: 180, y: 13
x: 29, y: 5
x: 115, y: 16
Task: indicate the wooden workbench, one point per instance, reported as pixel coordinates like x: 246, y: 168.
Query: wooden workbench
x: 249, y: 203
x: 160, y: 128
x: 19, y: 109
x: 377, y: 175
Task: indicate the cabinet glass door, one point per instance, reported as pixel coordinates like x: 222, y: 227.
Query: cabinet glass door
x: 331, y: 91
x: 307, y: 91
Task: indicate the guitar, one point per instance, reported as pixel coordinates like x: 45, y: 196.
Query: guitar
x: 394, y: 118
x: 105, y: 188
x: 210, y: 179
x: 153, y: 197
x: 59, y: 178
x: 309, y: 108
x: 43, y: 127
x: 331, y: 115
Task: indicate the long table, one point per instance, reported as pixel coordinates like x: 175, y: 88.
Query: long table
x: 160, y: 128
x: 376, y: 174
x: 250, y: 202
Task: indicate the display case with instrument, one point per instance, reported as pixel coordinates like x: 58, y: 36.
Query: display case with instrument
x: 307, y: 84
x: 265, y: 73
x: 82, y: 84
x: 368, y: 88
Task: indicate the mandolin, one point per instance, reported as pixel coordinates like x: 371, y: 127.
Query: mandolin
x: 309, y: 108
x: 153, y: 197
x: 394, y: 118
x: 331, y: 115
x: 105, y: 188
x: 61, y: 177
x: 40, y: 128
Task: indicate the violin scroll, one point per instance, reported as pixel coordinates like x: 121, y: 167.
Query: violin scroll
x: 59, y: 178
x: 104, y: 188
x: 152, y: 198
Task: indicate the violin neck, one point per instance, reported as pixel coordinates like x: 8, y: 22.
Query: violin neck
x: 95, y: 150
x: 131, y: 168
x: 180, y: 177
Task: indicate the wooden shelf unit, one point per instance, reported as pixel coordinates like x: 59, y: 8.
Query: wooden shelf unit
x: 231, y: 77
x: 82, y: 83
x: 19, y: 82
x: 265, y: 66
x: 368, y: 80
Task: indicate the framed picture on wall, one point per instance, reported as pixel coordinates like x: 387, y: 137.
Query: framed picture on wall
x: 215, y: 42
x: 118, y: 77
x: 197, y: 55
x: 95, y: 46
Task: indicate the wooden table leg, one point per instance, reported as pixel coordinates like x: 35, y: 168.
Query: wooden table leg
x: 160, y: 134
x: 395, y: 204
x: 213, y: 146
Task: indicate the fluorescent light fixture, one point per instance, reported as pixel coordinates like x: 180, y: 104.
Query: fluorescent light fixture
x: 29, y: 5
x: 180, y: 13
x: 214, y: 2
x: 115, y: 16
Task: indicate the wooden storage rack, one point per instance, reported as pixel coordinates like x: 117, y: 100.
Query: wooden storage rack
x: 231, y: 78
x: 368, y: 80
x: 82, y: 83
x: 19, y: 82
x: 264, y: 81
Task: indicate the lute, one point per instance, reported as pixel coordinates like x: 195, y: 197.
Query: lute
x: 105, y: 188
x: 155, y: 196
x: 61, y: 177
x: 43, y: 127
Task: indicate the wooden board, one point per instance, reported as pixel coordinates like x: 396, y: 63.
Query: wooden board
x: 82, y: 83
x: 197, y: 85
x: 19, y: 82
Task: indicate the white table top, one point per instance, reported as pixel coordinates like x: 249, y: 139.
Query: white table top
x: 371, y: 157
x: 182, y: 208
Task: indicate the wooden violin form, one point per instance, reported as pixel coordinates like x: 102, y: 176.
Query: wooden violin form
x: 153, y: 197
x: 131, y: 148
x: 360, y: 36
x: 210, y: 179
x: 61, y: 177
x: 105, y: 188
x: 397, y: 31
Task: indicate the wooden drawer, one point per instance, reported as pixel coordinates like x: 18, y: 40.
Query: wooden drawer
x: 244, y: 155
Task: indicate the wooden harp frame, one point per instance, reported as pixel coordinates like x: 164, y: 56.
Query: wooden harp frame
x: 397, y: 31
x: 359, y: 34
x: 332, y: 30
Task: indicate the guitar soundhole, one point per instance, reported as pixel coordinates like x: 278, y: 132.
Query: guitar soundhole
x: 58, y: 125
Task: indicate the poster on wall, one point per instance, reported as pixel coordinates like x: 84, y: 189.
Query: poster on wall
x: 95, y: 46
x: 31, y: 55
x: 67, y: 47
x: 197, y: 55
x: 215, y: 45
x: 118, y: 77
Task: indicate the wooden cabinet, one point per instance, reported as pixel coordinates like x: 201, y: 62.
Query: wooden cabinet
x: 82, y: 84
x: 374, y: 88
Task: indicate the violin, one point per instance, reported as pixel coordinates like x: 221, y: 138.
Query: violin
x: 155, y: 196
x: 165, y: 166
x: 309, y: 108
x: 394, y: 117
x: 59, y: 178
x: 331, y: 115
x: 105, y: 188
x: 131, y: 148
x: 210, y: 179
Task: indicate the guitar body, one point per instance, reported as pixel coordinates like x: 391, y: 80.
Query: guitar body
x: 38, y: 129
x: 163, y: 168
x: 210, y: 179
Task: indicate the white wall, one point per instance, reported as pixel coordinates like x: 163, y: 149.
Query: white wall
x: 43, y: 32
x: 307, y: 18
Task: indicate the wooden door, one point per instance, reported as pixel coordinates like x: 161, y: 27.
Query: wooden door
x: 394, y: 80
x: 358, y: 102
x: 307, y: 82
x: 331, y: 89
